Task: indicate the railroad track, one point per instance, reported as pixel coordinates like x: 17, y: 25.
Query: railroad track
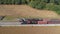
x: 19, y: 24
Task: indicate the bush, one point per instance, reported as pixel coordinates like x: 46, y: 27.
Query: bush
x: 24, y: 1
x: 33, y: 4
x: 49, y: 6
x: 37, y: 4
x: 56, y: 9
x: 53, y: 7
x: 41, y: 6
x: 16, y: 1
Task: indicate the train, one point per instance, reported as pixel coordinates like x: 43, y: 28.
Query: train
x: 40, y: 21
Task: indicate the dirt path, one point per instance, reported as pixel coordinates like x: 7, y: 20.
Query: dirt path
x: 25, y: 11
x: 30, y: 30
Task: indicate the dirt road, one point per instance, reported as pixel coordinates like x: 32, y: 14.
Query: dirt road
x: 30, y: 30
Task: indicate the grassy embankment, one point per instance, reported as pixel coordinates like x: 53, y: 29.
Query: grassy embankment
x: 12, y: 12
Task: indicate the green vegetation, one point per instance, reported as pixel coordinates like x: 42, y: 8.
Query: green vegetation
x: 53, y: 5
x: 39, y: 4
x: 9, y: 18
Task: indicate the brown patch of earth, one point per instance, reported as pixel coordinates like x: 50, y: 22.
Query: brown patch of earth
x: 25, y: 11
x: 30, y: 30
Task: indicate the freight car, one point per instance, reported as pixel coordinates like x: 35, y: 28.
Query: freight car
x: 54, y: 21
x: 40, y: 21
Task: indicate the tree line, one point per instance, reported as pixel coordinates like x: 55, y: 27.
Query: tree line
x: 13, y: 1
x: 23, y: 1
x: 27, y: 1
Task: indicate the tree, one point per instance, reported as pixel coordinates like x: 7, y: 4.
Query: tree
x: 2, y: 1
x: 48, y: 1
x: 56, y: 2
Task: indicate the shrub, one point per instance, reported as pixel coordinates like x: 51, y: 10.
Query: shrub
x: 37, y: 4
x: 41, y: 5
x: 53, y: 7
x: 57, y: 9
x: 49, y: 6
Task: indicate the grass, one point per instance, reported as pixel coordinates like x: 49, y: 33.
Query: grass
x: 9, y: 17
